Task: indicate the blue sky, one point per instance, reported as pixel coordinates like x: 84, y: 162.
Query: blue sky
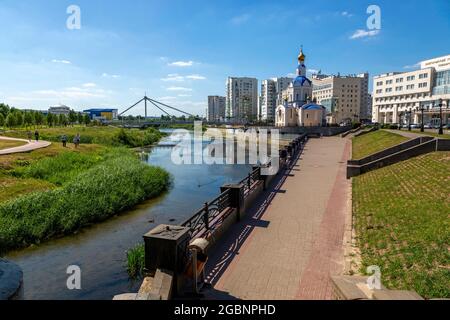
x: 182, y: 51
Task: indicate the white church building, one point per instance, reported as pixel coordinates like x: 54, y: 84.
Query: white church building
x: 298, y: 110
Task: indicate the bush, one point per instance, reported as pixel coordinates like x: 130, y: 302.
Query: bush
x: 96, y: 194
x: 136, y: 261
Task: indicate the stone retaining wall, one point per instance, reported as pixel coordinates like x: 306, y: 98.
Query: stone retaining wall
x: 405, y: 151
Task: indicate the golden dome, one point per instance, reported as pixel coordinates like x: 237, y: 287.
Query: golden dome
x: 301, y: 56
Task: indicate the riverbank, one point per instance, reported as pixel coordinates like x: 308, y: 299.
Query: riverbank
x: 103, y: 135
x: 99, y: 249
x: 58, y: 190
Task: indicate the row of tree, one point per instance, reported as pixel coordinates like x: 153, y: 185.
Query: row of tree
x: 14, y: 118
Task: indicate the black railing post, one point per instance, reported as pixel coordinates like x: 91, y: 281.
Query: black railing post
x: 236, y: 197
x: 206, y: 216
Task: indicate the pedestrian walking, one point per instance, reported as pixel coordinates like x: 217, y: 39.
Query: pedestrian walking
x: 36, y: 135
x: 64, y: 140
x: 29, y: 135
x: 76, y: 140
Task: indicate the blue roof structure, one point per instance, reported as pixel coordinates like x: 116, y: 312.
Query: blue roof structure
x: 312, y: 106
x: 100, y: 110
x: 300, y: 80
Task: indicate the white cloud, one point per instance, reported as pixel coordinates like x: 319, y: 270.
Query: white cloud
x: 166, y: 98
x: 61, y: 61
x: 414, y: 66
x: 179, y: 89
x: 196, y: 77
x: 107, y: 75
x: 360, y: 33
x: 313, y: 70
x: 173, y: 77
x: 346, y: 14
x: 181, y: 64
x: 184, y: 95
x: 89, y: 85
x: 238, y: 20
x: 291, y: 75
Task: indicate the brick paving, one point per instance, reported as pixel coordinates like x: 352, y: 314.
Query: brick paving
x: 293, y: 238
x: 30, y: 146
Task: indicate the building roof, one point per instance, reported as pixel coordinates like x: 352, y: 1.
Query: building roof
x: 100, y: 110
x: 300, y: 81
x: 312, y: 106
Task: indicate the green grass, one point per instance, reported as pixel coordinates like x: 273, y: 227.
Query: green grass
x: 40, y: 170
x: 135, y: 261
x: 402, y: 223
x: 104, y: 135
x: 6, y: 144
x: 96, y: 194
x: 373, y: 142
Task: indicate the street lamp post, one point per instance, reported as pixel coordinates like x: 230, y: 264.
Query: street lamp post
x: 409, y: 119
x: 422, y: 126
x: 441, y: 130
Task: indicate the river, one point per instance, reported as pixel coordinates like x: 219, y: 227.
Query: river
x: 100, y: 250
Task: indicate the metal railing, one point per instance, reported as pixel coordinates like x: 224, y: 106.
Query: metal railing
x: 203, y: 219
x: 249, y: 181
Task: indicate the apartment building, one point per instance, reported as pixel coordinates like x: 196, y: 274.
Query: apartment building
x: 344, y: 97
x: 241, y: 99
x: 272, y: 96
x: 216, y: 108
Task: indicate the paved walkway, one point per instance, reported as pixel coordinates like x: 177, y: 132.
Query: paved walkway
x: 30, y: 146
x: 292, y: 240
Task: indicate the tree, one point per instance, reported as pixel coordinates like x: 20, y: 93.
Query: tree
x: 18, y: 118
x: 62, y: 120
x: 72, y: 117
x: 86, y: 119
x: 10, y: 120
x: 38, y: 118
x: 2, y: 120
x: 80, y: 118
x: 4, y: 109
x: 28, y: 119
x: 50, y: 120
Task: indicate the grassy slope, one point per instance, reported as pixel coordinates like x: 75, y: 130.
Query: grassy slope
x: 373, y: 142
x: 403, y: 226
x: 55, y: 191
x: 13, y: 183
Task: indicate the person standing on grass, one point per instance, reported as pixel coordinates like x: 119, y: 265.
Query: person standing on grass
x: 76, y: 140
x: 64, y: 140
x: 29, y: 135
x: 36, y: 135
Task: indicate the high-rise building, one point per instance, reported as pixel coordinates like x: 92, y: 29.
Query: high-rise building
x: 272, y: 96
x: 216, y: 108
x: 241, y: 99
x: 365, y: 109
x: 345, y: 97
x: 399, y: 97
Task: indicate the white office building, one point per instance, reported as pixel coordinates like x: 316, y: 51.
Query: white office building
x: 401, y: 97
x: 216, y: 108
x: 272, y: 96
x: 241, y: 99
x: 59, y: 109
